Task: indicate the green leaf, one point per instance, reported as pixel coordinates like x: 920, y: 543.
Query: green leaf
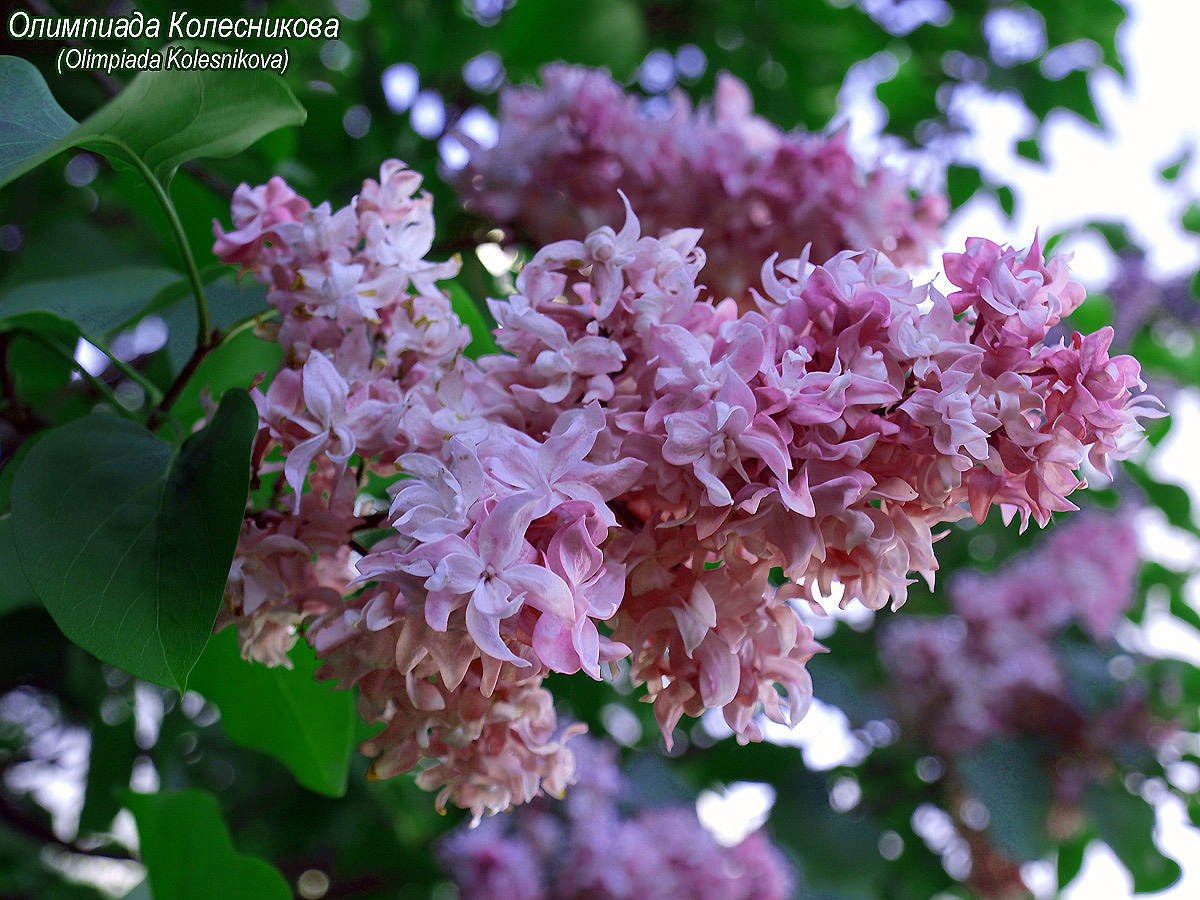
x: 189, y: 855
x: 1006, y: 198
x: 1179, y: 363
x: 1174, y: 170
x: 140, y: 891
x: 475, y: 318
x: 128, y: 541
x: 1008, y: 776
x: 110, y: 766
x: 1115, y: 234
x: 97, y: 302
x: 162, y: 119
x: 235, y: 363
x: 285, y: 713
x: 1173, y: 583
x: 1191, y: 217
x: 1031, y: 149
x: 39, y: 373
x: 1172, y: 499
x: 230, y: 302
x: 1071, y: 92
x: 961, y: 184
x: 15, y: 591
x: 1126, y: 824
x: 609, y: 33
x: 9, y: 470
x: 30, y: 119
x: 1094, y: 313
x: 1097, y: 21
x: 1070, y: 859
x: 908, y: 97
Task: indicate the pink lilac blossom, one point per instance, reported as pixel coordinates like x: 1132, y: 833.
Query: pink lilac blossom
x: 619, y: 484
x: 567, y: 146
x: 1004, y: 667
x: 585, y: 847
x: 992, y: 668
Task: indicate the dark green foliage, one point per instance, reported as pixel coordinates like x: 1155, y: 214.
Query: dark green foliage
x: 285, y: 713
x: 127, y: 540
x: 189, y: 855
x: 124, y: 532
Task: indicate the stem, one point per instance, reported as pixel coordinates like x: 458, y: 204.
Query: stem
x: 206, y: 338
x: 8, y: 390
x: 204, y: 325
x: 247, y: 323
x: 153, y: 393
x: 12, y: 815
x: 203, y: 348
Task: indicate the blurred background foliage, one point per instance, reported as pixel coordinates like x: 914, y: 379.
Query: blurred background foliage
x: 395, y: 83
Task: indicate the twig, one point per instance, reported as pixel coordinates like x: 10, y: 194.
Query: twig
x: 202, y: 350
x: 21, y: 821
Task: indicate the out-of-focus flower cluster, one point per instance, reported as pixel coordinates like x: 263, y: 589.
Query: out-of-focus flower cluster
x: 620, y: 484
x: 567, y: 146
x: 998, y: 665
x: 586, y: 847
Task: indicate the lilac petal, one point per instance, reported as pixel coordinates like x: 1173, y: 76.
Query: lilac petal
x: 467, y: 470
x: 577, y: 557
x: 438, y: 606
x: 679, y: 348
x: 613, y: 479
x: 374, y: 417
x: 745, y: 357
x: 767, y: 446
x: 719, y: 672
x: 718, y: 493
x: 502, y: 534
x: 494, y: 597
x: 542, y: 589
x: 632, y: 228
x: 295, y: 469
x: 605, y: 591
x: 342, y: 444
x: 458, y: 573
x: 552, y: 641
x: 485, y: 631
x: 541, y: 326
x: 688, y: 437
x: 796, y: 495
x: 594, y: 355
x: 568, y: 444
x: 587, y: 645
x: 325, y: 391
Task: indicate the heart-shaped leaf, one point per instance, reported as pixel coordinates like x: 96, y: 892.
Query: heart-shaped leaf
x: 30, y: 119
x: 189, y: 855
x: 285, y: 713
x: 128, y: 541
x: 162, y: 119
x: 15, y: 591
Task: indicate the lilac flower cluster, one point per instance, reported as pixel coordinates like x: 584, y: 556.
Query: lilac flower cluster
x: 993, y: 668
x: 620, y: 483
x: 567, y: 146
x: 585, y: 847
